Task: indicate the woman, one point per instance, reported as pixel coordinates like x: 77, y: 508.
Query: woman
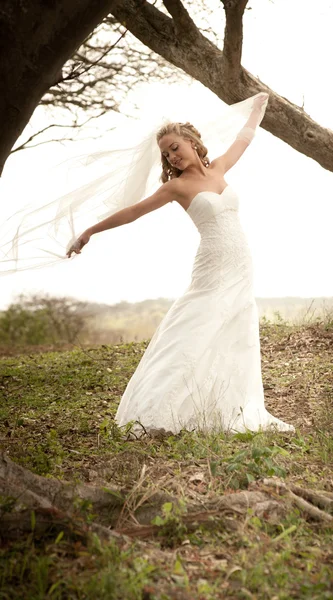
x: 202, y: 366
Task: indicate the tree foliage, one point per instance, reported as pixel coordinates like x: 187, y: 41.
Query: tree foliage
x: 42, y: 319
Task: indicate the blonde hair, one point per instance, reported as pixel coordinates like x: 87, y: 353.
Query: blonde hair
x: 188, y: 132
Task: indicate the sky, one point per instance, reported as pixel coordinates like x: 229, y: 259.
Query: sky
x: 286, y: 198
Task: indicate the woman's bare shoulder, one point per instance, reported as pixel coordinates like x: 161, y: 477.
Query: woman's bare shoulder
x: 175, y: 189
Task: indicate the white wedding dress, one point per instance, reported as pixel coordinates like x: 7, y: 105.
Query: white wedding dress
x: 202, y: 368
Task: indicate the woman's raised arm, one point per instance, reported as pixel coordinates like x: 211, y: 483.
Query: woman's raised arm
x: 244, y: 137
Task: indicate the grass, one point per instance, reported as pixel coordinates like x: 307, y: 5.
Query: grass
x: 56, y: 418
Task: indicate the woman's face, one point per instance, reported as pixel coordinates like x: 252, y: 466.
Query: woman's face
x: 178, y: 152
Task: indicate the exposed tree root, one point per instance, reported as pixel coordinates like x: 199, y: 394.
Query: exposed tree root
x: 45, y: 507
x: 48, y: 523
x: 297, y: 495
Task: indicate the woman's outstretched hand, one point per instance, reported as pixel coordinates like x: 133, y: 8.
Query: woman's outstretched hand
x: 260, y: 100
x: 79, y: 243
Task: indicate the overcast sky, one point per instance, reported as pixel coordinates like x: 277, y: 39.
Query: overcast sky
x: 286, y: 198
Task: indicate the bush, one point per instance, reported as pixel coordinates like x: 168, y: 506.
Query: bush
x: 40, y: 319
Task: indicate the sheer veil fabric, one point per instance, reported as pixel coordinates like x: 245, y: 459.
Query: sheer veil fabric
x: 115, y: 178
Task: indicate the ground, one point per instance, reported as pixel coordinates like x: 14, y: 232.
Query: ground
x: 57, y: 411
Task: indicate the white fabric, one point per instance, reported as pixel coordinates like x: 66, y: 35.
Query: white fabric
x: 202, y: 367
x: 113, y: 179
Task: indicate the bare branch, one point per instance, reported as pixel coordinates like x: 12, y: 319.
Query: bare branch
x: 74, y: 125
x: 91, y: 64
x: 181, y: 18
x: 109, y: 64
x: 233, y: 36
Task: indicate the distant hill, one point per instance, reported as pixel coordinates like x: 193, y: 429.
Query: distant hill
x: 127, y: 321
x: 137, y: 321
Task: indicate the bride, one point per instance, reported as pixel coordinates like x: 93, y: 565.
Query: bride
x: 202, y: 368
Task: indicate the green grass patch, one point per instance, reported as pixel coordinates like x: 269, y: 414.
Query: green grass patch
x: 57, y: 419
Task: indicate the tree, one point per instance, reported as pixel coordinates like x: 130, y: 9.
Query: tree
x: 176, y: 37
x: 95, y: 80
x: 37, y: 38
x: 41, y: 319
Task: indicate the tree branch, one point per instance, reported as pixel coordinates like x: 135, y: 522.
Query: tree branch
x: 182, y: 20
x: 206, y: 63
x: 233, y: 35
x: 35, y: 135
x: 91, y: 64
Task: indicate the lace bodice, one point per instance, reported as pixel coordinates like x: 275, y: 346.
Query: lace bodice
x: 223, y: 246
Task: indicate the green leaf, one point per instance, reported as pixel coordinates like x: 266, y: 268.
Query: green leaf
x: 178, y: 567
x: 233, y: 467
x: 53, y: 587
x: 239, y: 456
x: 257, y: 453
x: 278, y: 450
x: 245, y: 437
x: 158, y: 521
x: 59, y: 537
x: 167, y: 508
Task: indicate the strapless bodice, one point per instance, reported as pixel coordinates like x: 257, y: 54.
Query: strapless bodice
x: 208, y: 205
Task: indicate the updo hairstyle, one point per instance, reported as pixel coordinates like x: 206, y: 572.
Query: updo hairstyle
x: 188, y: 132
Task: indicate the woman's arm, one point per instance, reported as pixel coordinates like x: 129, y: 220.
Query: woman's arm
x: 166, y: 193
x: 244, y: 137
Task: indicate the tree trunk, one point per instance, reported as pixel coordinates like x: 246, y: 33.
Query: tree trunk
x: 36, y: 39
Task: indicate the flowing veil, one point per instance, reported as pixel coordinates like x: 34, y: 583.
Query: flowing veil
x: 115, y: 178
